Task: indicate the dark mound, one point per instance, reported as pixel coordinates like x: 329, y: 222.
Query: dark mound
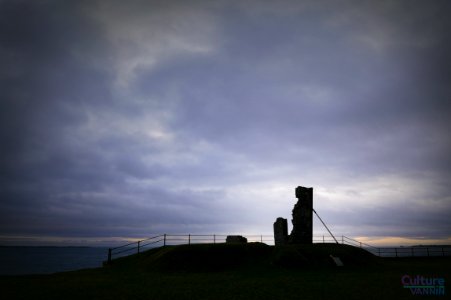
x: 213, y: 257
x: 251, y: 256
x: 319, y: 255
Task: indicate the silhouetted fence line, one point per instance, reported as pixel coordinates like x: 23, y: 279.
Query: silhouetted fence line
x: 415, y: 251
x: 408, y: 251
x: 177, y: 239
x: 183, y: 239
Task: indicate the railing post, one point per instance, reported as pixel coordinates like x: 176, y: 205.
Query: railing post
x: 443, y: 252
x: 189, y: 239
x: 427, y: 250
x: 411, y: 250
x: 342, y: 239
x: 323, y: 238
x: 138, y: 245
x: 109, y: 255
x: 261, y: 239
x: 164, y: 240
x: 379, y: 251
x: 214, y: 238
x: 396, y: 252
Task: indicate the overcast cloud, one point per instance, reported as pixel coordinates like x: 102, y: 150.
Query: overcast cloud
x: 130, y: 118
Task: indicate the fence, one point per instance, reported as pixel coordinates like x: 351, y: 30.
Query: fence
x: 411, y: 251
x: 420, y: 251
x: 180, y: 239
x: 177, y: 239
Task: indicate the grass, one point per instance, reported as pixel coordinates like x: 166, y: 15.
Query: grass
x: 222, y: 271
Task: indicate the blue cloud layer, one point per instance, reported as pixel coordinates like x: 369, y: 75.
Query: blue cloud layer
x: 131, y: 119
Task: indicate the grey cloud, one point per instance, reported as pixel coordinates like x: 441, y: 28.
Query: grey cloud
x: 324, y: 96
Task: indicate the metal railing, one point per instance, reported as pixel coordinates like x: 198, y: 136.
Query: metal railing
x: 181, y: 239
x: 415, y: 251
x: 408, y: 251
x: 177, y: 239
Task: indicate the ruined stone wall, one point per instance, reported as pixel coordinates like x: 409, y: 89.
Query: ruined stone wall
x: 302, y: 232
x: 280, y: 231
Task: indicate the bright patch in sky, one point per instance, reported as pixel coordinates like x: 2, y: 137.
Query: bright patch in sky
x: 125, y: 119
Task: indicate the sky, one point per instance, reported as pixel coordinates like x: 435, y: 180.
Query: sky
x: 125, y: 119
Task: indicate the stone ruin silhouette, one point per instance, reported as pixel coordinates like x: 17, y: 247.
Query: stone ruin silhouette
x: 302, y: 232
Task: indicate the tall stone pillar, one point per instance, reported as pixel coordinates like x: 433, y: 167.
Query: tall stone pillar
x: 302, y: 232
x: 280, y: 231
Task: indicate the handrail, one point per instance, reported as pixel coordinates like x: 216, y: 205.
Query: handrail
x: 361, y: 243
x: 169, y: 239
x: 152, y: 238
x: 123, y: 246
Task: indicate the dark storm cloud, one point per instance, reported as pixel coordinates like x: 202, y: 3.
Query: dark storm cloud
x: 130, y: 119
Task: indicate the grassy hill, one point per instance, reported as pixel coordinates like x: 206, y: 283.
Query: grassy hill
x: 222, y: 257
x: 227, y: 271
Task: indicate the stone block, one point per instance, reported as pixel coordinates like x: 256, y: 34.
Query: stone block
x: 280, y: 231
x: 236, y: 239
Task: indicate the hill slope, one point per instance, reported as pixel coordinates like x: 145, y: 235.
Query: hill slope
x: 220, y: 257
x: 240, y: 272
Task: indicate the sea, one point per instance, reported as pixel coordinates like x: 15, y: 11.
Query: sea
x: 48, y: 260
